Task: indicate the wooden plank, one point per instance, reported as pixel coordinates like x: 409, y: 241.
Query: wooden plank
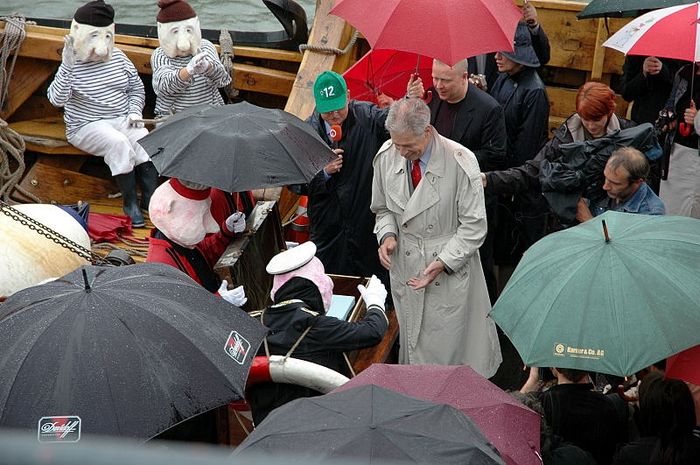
x: 243, y: 50
x: 328, y: 30
x: 599, y: 51
x: 52, y: 184
x: 563, y: 102
x: 46, y: 135
x: 247, y: 77
x: 264, y: 80
x: 27, y: 77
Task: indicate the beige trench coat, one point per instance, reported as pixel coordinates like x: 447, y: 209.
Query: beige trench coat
x: 447, y: 322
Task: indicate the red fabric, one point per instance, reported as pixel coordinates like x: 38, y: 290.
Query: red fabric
x: 446, y: 30
x: 160, y: 251
x: 108, y: 228
x: 685, y: 366
x: 186, y: 192
x: 670, y: 36
x: 386, y: 72
x: 221, y: 203
x: 416, y: 175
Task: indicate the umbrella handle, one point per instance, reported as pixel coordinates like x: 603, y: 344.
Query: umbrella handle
x: 685, y: 129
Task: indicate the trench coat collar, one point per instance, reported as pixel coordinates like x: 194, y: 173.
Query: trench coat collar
x: 426, y: 195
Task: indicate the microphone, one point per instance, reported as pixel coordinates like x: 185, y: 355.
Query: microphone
x: 336, y: 134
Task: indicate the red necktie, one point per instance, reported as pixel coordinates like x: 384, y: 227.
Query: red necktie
x: 415, y: 173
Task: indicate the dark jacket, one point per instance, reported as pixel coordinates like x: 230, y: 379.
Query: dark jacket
x: 525, y: 177
x: 585, y: 418
x: 526, y: 109
x: 324, y: 344
x: 479, y: 126
x: 649, y: 93
x: 341, y: 221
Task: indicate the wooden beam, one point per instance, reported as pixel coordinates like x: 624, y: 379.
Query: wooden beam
x: 27, y: 77
x: 599, y: 51
x: 328, y: 30
x: 121, y: 39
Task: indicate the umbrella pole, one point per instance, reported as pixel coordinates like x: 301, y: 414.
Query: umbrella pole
x: 605, y: 232
x: 85, y: 280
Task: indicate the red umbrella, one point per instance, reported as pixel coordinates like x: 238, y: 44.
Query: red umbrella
x: 669, y: 32
x: 510, y: 426
x: 685, y: 365
x: 449, y: 30
x: 385, y: 72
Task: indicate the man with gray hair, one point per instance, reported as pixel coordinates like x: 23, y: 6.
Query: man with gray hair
x: 625, y: 173
x: 430, y: 223
x: 471, y: 117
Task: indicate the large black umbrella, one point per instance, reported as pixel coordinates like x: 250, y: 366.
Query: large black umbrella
x: 124, y: 351
x: 370, y: 424
x: 625, y: 8
x: 237, y: 147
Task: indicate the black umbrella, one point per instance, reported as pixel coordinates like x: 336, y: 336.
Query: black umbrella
x: 237, y: 147
x: 625, y: 8
x: 370, y: 423
x: 124, y: 351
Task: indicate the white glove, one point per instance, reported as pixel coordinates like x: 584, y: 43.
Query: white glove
x: 374, y: 293
x: 68, y: 54
x: 199, y: 64
x: 133, y: 120
x: 236, y: 222
x: 235, y: 296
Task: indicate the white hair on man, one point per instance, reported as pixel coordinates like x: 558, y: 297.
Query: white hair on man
x: 408, y: 115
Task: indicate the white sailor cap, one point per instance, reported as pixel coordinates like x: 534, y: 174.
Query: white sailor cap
x: 291, y: 259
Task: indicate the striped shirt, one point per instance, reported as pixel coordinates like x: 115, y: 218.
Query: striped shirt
x: 173, y: 94
x: 96, y: 90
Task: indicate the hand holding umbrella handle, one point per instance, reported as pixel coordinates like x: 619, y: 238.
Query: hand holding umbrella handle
x: 686, y: 127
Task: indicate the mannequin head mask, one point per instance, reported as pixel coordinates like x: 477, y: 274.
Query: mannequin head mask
x: 178, y: 28
x: 182, y: 213
x: 92, y: 30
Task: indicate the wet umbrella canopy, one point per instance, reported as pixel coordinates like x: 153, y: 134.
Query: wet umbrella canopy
x: 370, y: 424
x: 510, y: 426
x: 625, y: 8
x: 578, y: 301
x: 124, y: 351
x: 237, y: 147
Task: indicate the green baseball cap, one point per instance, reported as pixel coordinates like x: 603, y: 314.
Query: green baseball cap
x: 330, y: 92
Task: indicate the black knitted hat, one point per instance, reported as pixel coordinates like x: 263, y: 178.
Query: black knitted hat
x: 96, y: 13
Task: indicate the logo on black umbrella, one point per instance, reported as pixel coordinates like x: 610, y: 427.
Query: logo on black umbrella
x: 237, y: 347
x: 59, y: 429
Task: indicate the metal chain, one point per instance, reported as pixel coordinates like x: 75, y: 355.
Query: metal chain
x: 49, y: 233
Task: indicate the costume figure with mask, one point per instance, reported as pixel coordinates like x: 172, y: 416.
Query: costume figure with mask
x: 186, y: 68
x: 301, y: 292
x: 180, y: 212
x: 102, y: 96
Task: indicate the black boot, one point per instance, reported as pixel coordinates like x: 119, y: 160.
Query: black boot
x: 147, y: 177
x: 127, y: 185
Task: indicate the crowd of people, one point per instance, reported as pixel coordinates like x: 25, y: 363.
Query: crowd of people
x: 424, y: 197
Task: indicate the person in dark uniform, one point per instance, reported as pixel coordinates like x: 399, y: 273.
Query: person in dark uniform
x: 341, y: 222
x: 298, y: 325
x: 187, y: 237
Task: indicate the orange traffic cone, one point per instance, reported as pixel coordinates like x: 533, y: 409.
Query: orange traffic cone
x: 298, y: 229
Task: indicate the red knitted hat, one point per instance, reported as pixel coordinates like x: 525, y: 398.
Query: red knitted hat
x: 174, y: 10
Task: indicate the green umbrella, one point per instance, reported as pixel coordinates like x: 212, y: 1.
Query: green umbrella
x: 579, y: 301
x: 625, y: 8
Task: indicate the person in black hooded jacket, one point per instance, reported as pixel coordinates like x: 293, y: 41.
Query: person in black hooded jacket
x: 339, y: 196
x: 301, y: 294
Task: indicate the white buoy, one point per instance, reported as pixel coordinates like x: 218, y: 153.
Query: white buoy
x: 28, y: 258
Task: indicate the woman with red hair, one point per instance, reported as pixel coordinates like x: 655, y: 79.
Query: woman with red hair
x: 595, y: 117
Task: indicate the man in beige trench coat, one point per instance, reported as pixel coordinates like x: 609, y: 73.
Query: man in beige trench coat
x: 429, y: 238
